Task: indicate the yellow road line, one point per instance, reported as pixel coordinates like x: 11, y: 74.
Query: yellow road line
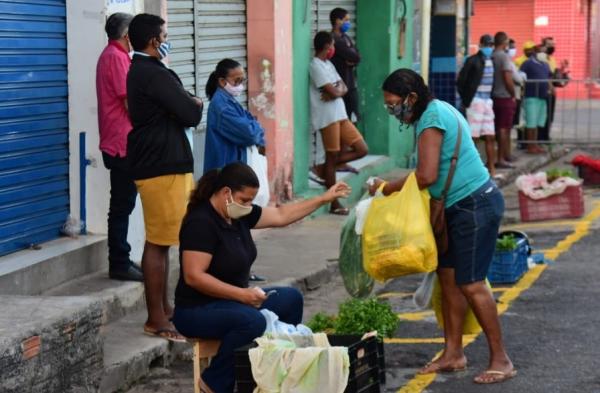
x: 420, y: 382
x: 467, y: 338
x: 415, y: 316
x: 500, y: 289
x: 545, y: 224
x: 388, y: 295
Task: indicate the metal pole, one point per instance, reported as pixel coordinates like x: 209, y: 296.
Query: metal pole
x: 425, y: 38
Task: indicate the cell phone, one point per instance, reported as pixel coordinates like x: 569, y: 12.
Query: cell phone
x: 271, y: 292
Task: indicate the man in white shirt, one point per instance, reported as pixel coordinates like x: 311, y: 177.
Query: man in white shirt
x: 328, y: 115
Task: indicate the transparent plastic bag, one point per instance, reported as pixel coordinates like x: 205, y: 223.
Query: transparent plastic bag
x: 423, y: 294
x: 357, y: 282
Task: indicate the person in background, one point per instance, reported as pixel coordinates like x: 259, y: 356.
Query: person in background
x: 503, y: 95
x: 213, y: 299
x: 560, y: 75
x: 345, y: 59
x: 528, y: 50
x: 474, y: 209
x: 114, y: 125
x: 519, y: 81
x: 160, y: 159
x: 230, y: 129
x: 537, y: 90
x: 474, y: 85
x: 329, y: 115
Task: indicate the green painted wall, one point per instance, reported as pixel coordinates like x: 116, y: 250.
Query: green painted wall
x: 378, y: 25
x: 302, y: 54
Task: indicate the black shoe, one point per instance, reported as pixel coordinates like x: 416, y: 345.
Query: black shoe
x: 132, y: 273
x: 256, y: 277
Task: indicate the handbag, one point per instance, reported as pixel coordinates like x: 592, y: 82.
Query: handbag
x: 437, y: 206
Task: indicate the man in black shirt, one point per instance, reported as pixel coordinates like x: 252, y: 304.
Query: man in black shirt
x: 345, y: 59
x: 160, y: 159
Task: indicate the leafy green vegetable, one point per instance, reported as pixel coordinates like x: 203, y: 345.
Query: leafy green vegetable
x: 361, y: 316
x: 506, y: 243
x: 358, y: 316
x: 555, y: 173
x: 322, y: 322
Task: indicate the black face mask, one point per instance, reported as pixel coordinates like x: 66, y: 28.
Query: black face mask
x: 550, y: 50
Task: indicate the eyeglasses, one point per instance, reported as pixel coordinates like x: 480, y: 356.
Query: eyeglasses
x: 237, y: 81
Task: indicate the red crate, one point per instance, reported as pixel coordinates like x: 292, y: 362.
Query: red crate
x: 589, y: 175
x: 569, y: 204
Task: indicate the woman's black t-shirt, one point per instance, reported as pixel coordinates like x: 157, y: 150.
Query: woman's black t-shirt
x: 231, y: 246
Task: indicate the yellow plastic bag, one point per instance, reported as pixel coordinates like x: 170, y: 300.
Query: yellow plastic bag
x: 471, y: 326
x: 397, y: 236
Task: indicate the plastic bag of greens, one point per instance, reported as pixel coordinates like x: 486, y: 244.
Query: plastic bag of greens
x: 357, y: 282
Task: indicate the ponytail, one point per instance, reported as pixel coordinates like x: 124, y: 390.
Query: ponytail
x: 221, y: 71
x: 236, y: 176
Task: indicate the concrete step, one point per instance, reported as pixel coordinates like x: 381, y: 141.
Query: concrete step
x: 117, y: 298
x: 129, y: 354
x: 40, y: 268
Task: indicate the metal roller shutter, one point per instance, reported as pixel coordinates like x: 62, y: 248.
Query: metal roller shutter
x: 220, y: 33
x: 34, y: 155
x: 519, y: 26
x: 322, y: 8
x: 180, y: 16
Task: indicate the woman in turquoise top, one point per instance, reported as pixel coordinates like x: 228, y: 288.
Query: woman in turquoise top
x: 474, y: 208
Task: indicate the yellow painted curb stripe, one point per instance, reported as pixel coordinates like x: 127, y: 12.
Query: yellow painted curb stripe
x: 420, y: 382
x: 415, y: 316
x: 545, y: 224
x: 467, y: 338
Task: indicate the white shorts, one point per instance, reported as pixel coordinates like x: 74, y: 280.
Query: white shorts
x: 480, y: 115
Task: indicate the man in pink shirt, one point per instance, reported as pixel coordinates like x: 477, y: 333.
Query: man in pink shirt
x: 114, y: 125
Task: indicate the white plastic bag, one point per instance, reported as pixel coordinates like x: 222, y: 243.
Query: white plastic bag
x: 258, y: 163
x: 422, y: 296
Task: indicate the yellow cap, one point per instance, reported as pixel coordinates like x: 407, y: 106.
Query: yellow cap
x: 528, y: 45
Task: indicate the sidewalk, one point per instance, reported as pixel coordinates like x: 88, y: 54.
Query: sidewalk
x: 303, y: 255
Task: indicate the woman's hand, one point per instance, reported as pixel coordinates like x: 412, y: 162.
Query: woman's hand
x: 338, y: 190
x: 253, y: 296
x: 375, y: 184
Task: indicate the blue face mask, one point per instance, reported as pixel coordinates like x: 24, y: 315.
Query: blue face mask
x: 345, y: 26
x: 164, y: 49
x: 487, y: 51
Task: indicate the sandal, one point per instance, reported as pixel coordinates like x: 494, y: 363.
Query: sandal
x: 439, y: 369
x: 316, y: 179
x: 348, y: 168
x: 340, y: 211
x: 166, y: 333
x: 497, y: 376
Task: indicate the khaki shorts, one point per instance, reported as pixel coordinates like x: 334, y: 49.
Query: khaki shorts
x: 164, y: 202
x: 338, y: 133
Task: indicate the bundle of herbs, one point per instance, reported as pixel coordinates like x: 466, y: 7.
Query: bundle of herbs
x: 358, y: 316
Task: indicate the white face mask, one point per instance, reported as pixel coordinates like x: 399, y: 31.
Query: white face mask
x: 235, y: 210
x: 234, y: 90
x: 512, y: 52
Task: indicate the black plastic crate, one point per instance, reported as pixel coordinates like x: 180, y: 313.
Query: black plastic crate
x: 367, y: 364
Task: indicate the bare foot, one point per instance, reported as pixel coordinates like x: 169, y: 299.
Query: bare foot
x: 445, y: 364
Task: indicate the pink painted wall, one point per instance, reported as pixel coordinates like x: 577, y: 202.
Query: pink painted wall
x: 269, y: 25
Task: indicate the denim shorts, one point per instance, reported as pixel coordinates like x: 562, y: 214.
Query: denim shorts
x: 473, y: 224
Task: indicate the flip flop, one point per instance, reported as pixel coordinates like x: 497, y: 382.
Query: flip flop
x: 166, y: 333
x: 349, y: 169
x: 499, y: 376
x: 256, y: 277
x: 316, y: 179
x: 440, y: 369
x: 340, y: 211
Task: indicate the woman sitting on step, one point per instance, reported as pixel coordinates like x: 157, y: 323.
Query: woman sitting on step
x: 212, y: 299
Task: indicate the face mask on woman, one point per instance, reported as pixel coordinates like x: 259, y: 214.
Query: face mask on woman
x: 401, y: 112
x: 512, y: 52
x: 235, y: 210
x: 234, y: 90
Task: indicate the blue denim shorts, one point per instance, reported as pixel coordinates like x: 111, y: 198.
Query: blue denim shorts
x: 473, y: 224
